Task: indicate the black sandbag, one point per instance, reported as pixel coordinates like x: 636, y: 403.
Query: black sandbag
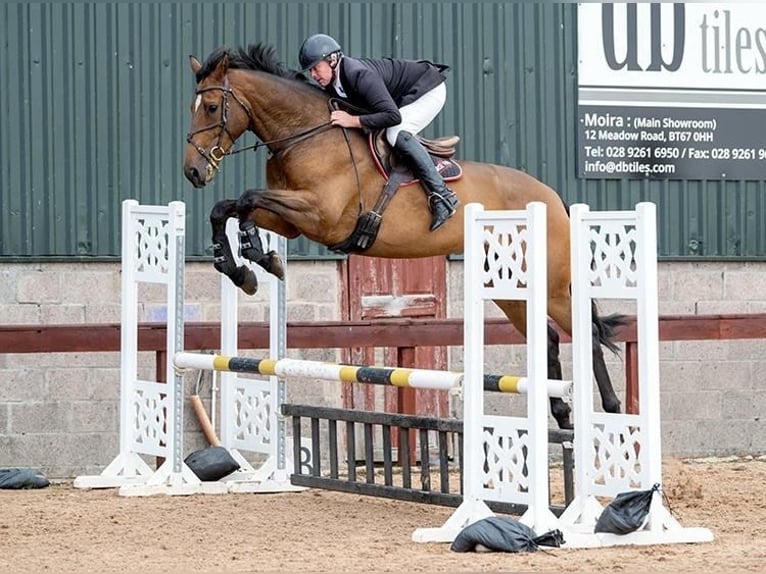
x: 211, y: 463
x: 503, y: 534
x: 627, y: 512
x: 20, y: 478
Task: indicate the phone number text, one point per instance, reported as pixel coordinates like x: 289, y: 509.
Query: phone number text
x: 667, y: 152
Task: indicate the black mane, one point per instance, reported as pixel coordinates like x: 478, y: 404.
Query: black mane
x: 260, y: 57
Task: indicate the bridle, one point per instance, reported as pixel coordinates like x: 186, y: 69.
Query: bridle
x: 215, y: 155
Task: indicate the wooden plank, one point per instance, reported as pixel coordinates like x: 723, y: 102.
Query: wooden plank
x: 105, y: 337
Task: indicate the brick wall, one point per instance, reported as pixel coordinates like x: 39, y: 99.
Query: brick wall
x: 59, y: 412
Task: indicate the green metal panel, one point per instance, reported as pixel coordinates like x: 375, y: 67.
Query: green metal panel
x: 95, y: 100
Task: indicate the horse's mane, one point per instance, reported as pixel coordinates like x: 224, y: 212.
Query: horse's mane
x: 260, y: 57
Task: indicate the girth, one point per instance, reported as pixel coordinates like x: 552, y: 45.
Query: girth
x: 368, y: 224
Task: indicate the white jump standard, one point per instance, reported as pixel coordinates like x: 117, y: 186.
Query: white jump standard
x: 506, y: 458
x: 613, y: 255
x: 151, y: 412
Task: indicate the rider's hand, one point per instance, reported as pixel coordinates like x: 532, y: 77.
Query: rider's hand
x: 344, y: 119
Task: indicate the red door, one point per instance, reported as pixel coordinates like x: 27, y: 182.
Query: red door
x: 386, y: 288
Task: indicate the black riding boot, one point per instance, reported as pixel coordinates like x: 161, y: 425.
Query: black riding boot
x: 442, y: 201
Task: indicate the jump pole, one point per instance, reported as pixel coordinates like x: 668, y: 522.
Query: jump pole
x: 394, y: 376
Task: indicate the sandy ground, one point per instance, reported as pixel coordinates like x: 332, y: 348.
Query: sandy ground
x: 63, y: 529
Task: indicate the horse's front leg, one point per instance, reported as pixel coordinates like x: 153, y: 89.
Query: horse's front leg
x: 223, y: 258
x: 271, y: 208
x: 252, y: 249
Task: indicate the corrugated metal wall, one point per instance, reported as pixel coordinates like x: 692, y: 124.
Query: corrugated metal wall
x: 95, y: 98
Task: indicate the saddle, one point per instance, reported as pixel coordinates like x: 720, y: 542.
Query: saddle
x: 396, y: 175
x: 441, y: 151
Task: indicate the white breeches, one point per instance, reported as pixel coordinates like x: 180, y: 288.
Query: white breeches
x: 417, y: 115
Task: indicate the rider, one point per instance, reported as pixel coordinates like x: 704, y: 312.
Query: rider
x: 402, y: 96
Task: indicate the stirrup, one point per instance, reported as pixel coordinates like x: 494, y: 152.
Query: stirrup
x: 448, y: 200
x: 437, y: 204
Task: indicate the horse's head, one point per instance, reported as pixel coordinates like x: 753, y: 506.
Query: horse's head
x: 219, y: 117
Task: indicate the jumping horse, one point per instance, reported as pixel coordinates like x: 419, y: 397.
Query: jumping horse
x: 322, y: 180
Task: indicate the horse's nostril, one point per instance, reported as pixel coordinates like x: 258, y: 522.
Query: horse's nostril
x: 192, y: 174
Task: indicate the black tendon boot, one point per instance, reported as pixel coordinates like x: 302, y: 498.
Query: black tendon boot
x: 252, y: 249
x: 442, y: 201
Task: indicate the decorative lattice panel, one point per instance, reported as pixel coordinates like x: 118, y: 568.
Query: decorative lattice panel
x: 251, y: 410
x: 613, y: 267
x: 615, y: 455
x: 150, y: 406
x: 505, y: 448
x: 152, y: 249
x: 505, y: 269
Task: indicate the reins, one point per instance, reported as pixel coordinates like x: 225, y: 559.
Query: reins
x: 334, y: 104
x: 292, y: 140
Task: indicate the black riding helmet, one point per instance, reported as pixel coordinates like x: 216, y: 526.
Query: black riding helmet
x: 315, y: 49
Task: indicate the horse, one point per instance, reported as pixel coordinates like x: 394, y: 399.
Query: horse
x: 322, y: 178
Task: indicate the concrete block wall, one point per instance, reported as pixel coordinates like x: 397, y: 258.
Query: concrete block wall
x: 60, y: 412
x: 713, y: 394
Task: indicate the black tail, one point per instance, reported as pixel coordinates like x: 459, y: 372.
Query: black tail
x: 606, y: 327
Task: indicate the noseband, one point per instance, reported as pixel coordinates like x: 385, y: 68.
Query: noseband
x: 217, y: 153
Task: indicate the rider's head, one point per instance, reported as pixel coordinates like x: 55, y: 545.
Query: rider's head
x: 319, y: 55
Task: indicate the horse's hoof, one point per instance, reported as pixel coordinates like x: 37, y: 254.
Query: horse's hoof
x: 276, y: 267
x: 613, y: 406
x: 250, y: 283
x: 564, y: 422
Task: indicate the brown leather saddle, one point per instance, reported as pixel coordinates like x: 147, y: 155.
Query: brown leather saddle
x: 441, y: 151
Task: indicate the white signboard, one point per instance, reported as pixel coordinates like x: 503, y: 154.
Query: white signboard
x: 672, y: 90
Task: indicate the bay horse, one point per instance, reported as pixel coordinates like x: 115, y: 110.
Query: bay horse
x: 321, y: 178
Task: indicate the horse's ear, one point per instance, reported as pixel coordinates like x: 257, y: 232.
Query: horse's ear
x: 220, y: 70
x: 195, y: 65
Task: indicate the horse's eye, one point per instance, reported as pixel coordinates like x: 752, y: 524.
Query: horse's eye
x: 212, y: 108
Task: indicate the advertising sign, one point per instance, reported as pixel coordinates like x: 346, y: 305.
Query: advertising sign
x: 672, y: 90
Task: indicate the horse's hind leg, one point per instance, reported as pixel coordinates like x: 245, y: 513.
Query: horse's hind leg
x: 609, y: 400
x: 560, y: 309
x: 603, y: 333
x: 223, y: 258
x: 559, y: 409
x: 517, y: 314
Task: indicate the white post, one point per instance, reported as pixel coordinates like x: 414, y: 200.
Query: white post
x: 505, y: 258
x: 538, y: 516
x: 648, y: 319
x: 239, y: 432
x: 151, y: 419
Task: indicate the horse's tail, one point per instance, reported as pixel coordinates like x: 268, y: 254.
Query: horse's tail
x: 605, y: 327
